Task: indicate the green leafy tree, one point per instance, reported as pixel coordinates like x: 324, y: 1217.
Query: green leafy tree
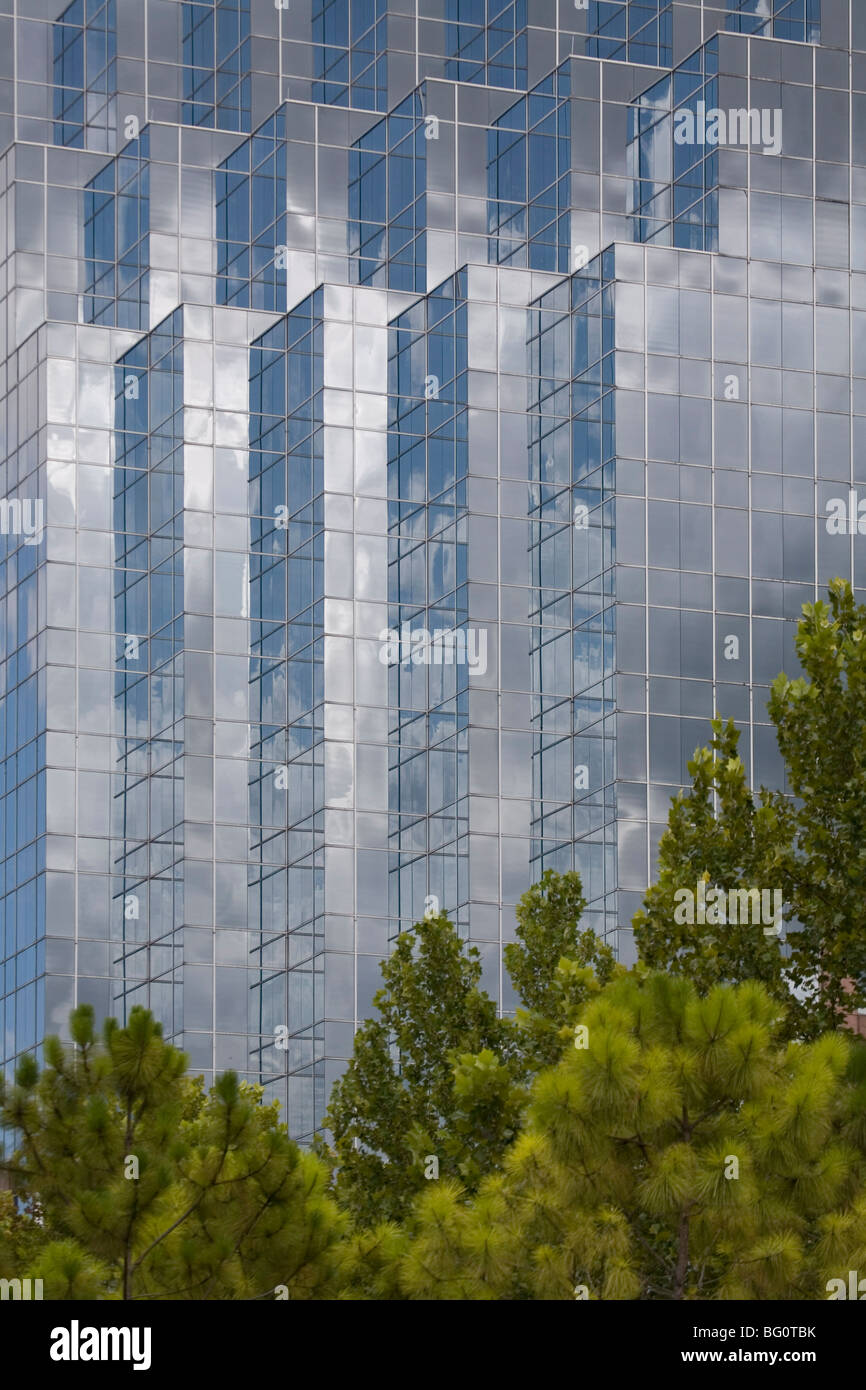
x: 437, y: 1074
x: 398, y: 1105
x: 820, y: 722
x: 718, y: 834
x: 679, y: 1154
x: 812, y: 848
x: 553, y: 965
x: 151, y: 1189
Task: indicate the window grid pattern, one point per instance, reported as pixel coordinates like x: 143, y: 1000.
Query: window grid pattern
x: 387, y: 202
x: 24, y: 780
x: 717, y: 547
x: 637, y: 31
x: 250, y: 191
x: 116, y: 240
x: 428, y: 763
x: 286, y: 858
x: 216, y: 64
x: 148, y: 800
x: 84, y: 72
x: 799, y: 20
x: 572, y: 550
x: 349, y: 53
x: 486, y: 42
x: 674, y: 186
x: 528, y: 179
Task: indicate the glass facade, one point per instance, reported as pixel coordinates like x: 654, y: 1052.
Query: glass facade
x: 116, y: 226
x: 387, y: 173
x: 417, y: 419
x: 637, y: 30
x: 571, y: 536
x: 85, y: 79
x: 287, y: 748
x: 250, y: 195
x: 216, y: 63
x: 528, y: 166
x: 781, y: 19
x: 674, y: 196
x: 428, y: 573
x: 350, y: 40
x: 145, y: 891
x: 486, y: 41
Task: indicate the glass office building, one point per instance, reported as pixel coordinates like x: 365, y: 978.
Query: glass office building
x: 419, y: 415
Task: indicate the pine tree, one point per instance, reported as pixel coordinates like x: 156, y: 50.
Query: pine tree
x: 677, y: 1153
x: 149, y: 1188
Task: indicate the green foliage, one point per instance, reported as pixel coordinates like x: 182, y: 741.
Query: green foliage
x: 22, y: 1237
x: 553, y: 965
x: 717, y: 833
x: 812, y: 847
x: 70, y: 1272
x: 398, y: 1101
x: 681, y: 1154
x: 150, y: 1189
x: 30, y: 1250
x: 705, y: 1134
x: 370, y: 1261
x: 437, y: 1073
x: 820, y: 721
